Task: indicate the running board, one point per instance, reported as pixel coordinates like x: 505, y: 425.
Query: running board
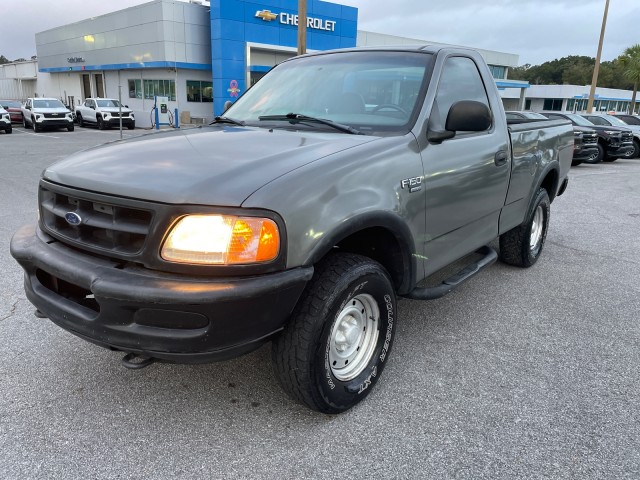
x: 448, y: 285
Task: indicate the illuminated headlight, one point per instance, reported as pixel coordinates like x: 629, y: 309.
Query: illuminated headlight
x: 221, y: 240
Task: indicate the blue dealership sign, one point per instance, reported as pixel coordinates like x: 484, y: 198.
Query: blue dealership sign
x: 237, y: 23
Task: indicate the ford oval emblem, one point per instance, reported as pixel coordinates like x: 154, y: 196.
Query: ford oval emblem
x: 73, y: 218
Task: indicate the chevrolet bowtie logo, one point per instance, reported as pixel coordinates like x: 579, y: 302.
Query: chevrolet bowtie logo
x: 266, y: 15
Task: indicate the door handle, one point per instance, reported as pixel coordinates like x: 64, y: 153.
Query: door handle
x: 500, y: 158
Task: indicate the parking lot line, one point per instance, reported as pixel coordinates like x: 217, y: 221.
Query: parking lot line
x: 34, y: 134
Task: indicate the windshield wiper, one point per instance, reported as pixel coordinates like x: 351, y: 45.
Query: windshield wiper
x: 227, y: 120
x: 298, y: 118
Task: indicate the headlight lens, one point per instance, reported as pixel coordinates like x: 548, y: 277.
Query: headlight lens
x: 611, y: 132
x: 222, y: 240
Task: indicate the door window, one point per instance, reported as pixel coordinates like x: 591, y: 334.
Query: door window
x: 460, y: 80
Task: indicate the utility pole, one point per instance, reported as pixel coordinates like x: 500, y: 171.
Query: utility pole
x: 594, y: 79
x: 302, y: 27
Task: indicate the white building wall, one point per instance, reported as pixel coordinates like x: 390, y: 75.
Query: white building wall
x: 142, y: 107
x: 370, y: 39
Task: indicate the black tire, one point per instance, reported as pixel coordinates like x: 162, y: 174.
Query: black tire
x: 131, y: 126
x: 636, y: 149
x: 346, y: 293
x: 100, y: 122
x: 575, y: 163
x: 9, y: 129
x: 70, y: 128
x: 80, y: 121
x: 600, y: 156
x: 24, y: 122
x: 36, y: 128
x: 516, y: 245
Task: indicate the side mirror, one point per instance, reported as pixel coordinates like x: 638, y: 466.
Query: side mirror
x: 92, y: 107
x: 463, y: 116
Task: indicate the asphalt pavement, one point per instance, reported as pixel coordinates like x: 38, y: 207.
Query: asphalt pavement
x: 518, y: 374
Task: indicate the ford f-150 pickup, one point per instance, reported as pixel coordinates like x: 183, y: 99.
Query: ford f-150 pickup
x: 338, y: 182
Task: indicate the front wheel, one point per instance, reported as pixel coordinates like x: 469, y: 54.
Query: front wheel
x: 337, y: 342
x: 80, y: 120
x: 36, y: 127
x: 596, y: 158
x: 522, y: 245
x: 101, y: 125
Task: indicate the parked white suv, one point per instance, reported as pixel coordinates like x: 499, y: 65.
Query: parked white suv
x: 41, y: 113
x: 5, y: 121
x: 104, y: 113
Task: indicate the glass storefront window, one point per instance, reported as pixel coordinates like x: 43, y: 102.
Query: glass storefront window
x: 135, y: 88
x: 162, y: 88
x: 198, y: 91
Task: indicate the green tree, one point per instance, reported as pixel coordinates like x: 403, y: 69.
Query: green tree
x: 630, y: 61
x: 3, y: 59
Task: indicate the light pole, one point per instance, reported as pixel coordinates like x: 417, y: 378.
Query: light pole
x: 302, y: 27
x: 596, y: 69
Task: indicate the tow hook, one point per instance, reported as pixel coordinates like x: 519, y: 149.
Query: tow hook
x: 142, y: 361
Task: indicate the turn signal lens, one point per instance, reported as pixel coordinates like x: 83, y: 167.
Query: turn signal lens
x: 222, y: 240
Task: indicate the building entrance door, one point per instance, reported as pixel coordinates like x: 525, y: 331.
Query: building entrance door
x: 86, y: 86
x: 99, y: 85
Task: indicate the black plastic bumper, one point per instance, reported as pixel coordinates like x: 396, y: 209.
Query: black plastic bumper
x: 115, y: 121
x: 178, y: 318
x: 620, y: 151
x: 584, y: 153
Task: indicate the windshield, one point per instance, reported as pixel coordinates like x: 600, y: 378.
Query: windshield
x: 534, y: 116
x: 108, y: 103
x: 10, y: 104
x: 48, y: 104
x: 578, y: 120
x: 616, y: 121
x: 365, y: 90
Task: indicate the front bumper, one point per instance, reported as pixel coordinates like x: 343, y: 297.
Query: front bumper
x: 178, y: 318
x: 115, y: 121
x: 619, y: 150
x: 585, y: 153
x: 55, y: 122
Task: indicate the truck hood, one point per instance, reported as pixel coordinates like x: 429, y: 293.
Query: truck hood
x: 115, y: 109
x: 220, y: 165
x: 64, y: 111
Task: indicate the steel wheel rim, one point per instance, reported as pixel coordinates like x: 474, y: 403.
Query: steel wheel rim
x: 536, y: 228
x: 353, y: 337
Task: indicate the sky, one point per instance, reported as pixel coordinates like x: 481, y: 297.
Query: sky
x: 536, y: 30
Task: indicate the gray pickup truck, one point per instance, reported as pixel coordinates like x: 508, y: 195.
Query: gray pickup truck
x: 337, y: 183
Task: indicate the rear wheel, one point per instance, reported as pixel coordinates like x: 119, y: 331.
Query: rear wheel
x: 522, y: 245
x: 336, y: 344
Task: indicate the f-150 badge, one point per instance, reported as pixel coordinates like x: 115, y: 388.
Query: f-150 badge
x: 414, y: 184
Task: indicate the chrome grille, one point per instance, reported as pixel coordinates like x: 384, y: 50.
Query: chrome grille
x: 101, y: 225
x: 54, y: 115
x: 627, y: 137
x: 589, y: 138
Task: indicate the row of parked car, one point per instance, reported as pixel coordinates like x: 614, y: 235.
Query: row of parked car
x: 41, y: 113
x: 598, y: 137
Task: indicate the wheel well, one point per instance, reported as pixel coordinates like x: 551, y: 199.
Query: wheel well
x: 550, y: 184
x: 382, y: 246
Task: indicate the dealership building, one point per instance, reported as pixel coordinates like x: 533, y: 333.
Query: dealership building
x: 197, y: 54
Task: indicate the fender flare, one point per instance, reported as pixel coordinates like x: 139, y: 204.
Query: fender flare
x: 388, y: 221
